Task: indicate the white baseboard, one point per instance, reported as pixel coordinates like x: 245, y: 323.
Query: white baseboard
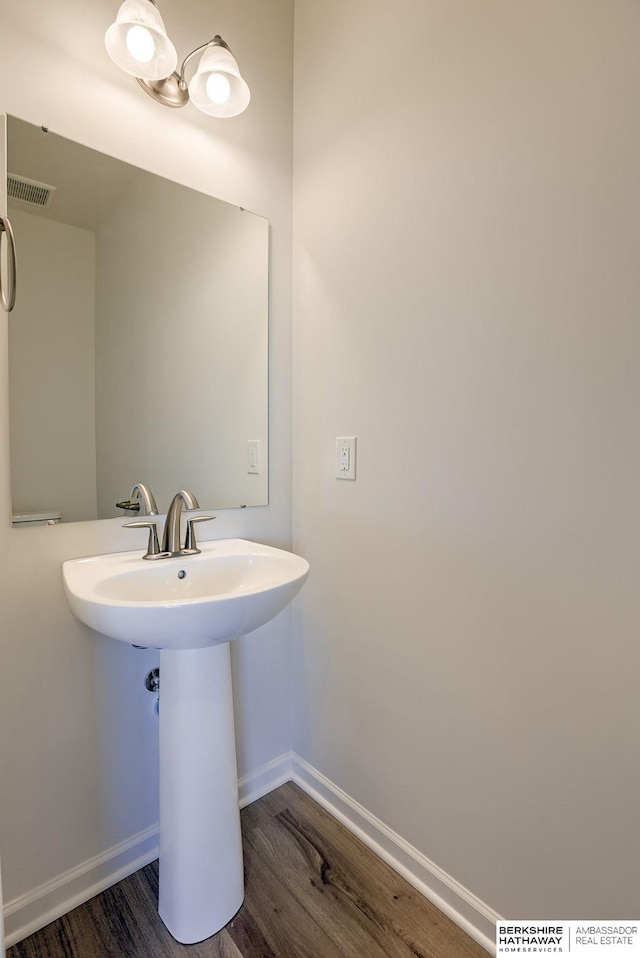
x: 264, y: 779
x: 452, y: 898
x: 28, y: 913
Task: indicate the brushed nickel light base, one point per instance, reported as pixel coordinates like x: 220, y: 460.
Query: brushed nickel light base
x: 169, y: 91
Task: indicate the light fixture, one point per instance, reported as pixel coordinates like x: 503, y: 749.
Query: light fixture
x: 138, y: 43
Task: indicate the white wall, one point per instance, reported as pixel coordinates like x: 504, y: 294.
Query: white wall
x: 78, y: 758
x: 466, y: 295
x: 52, y: 382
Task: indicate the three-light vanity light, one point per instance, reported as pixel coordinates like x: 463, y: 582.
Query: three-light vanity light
x: 138, y: 43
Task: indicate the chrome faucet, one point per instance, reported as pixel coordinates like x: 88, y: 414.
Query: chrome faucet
x: 140, y: 495
x: 171, y: 537
x: 143, y: 492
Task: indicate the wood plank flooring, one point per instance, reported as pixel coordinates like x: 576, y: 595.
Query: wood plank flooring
x: 313, y: 890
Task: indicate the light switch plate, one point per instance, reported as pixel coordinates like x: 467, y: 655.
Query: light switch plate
x: 253, y: 456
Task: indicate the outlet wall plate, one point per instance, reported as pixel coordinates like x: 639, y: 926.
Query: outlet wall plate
x: 346, y: 457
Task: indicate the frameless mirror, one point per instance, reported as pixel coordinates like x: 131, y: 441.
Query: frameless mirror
x: 138, y: 346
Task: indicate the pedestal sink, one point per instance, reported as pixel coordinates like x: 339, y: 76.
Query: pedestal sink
x: 190, y: 607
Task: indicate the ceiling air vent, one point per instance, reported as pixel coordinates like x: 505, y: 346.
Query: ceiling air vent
x: 29, y: 191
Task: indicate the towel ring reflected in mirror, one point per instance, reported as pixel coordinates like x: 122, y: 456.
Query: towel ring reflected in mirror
x: 8, y: 297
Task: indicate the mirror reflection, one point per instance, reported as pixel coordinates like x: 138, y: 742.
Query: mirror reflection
x: 138, y: 347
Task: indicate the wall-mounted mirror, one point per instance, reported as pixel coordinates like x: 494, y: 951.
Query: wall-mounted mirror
x: 138, y: 347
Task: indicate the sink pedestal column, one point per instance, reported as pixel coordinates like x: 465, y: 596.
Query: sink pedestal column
x: 201, y: 874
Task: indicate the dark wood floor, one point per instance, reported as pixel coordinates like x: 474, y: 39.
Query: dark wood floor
x: 313, y: 890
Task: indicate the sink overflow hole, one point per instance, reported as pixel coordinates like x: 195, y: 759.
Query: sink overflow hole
x: 181, y: 574
x: 152, y: 681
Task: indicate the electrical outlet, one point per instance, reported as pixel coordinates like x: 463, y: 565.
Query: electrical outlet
x: 345, y: 457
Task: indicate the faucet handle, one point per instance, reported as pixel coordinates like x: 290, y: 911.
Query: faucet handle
x: 153, y: 547
x: 190, y: 544
x: 129, y: 505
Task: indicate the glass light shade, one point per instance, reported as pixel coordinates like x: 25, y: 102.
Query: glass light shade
x: 216, y: 69
x: 138, y: 43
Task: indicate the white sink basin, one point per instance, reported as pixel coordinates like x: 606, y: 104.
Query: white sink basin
x: 190, y: 607
x: 189, y: 602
